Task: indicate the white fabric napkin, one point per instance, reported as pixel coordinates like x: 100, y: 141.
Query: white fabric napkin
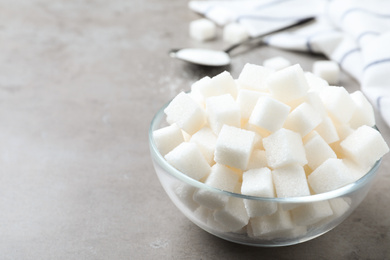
x: 354, y: 33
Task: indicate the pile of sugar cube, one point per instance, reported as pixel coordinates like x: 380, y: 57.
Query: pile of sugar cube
x: 268, y: 133
x: 204, y: 30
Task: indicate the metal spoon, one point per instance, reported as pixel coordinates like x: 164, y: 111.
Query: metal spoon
x: 216, y: 58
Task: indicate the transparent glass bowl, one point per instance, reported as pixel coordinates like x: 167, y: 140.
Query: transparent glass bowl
x: 297, y: 219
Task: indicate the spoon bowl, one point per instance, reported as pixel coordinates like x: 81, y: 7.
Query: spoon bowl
x: 218, y: 58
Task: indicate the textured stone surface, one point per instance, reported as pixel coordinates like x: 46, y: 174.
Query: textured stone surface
x: 79, y: 84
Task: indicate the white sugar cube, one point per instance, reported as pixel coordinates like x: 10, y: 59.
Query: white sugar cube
x: 284, y: 147
x: 330, y: 175
x: 220, y: 177
x: 254, y: 77
x: 288, y: 84
x: 311, y: 213
x: 258, y: 144
x: 338, y: 103
x: 271, y: 226
x: 339, y: 207
x: 186, y: 136
x: 220, y: 84
x: 234, y: 147
x: 364, y: 146
x: 206, y: 141
x: 198, y: 88
x: 202, y: 29
x: 327, y: 130
x: 257, y: 160
x: 233, y: 215
x: 343, y: 130
x: 290, y: 181
x: 276, y: 63
x: 295, y: 232
x: 234, y: 33
x: 303, y: 119
x: 246, y: 100
x: 187, y: 158
x: 258, y: 182
x: 186, y: 113
x: 185, y: 194
x: 269, y: 114
x: 315, y: 83
x: 327, y: 70
x: 356, y: 170
x: 317, y: 150
x: 202, y: 213
x: 206, y: 216
x: 222, y: 110
x: 315, y: 101
x: 167, y: 138
x: 364, y: 113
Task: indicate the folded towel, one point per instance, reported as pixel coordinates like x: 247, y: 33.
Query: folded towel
x: 354, y: 33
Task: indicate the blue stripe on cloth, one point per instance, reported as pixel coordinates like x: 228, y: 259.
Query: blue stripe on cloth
x: 369, y: 65
x: 366, y: 33
x: 378, y: 102
x: 362, y: 10
x: 268, y: 18
x: 346, y: 54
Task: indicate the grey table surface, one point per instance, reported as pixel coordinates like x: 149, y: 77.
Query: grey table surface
x: 79, y: 84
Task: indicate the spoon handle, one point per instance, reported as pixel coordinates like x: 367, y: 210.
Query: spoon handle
x: 297, y: 23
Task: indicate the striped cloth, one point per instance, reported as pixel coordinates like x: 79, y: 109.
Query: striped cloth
x: 354, y: 33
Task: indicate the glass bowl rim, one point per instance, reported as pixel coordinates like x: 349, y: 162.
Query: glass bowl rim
x: 342, y: 191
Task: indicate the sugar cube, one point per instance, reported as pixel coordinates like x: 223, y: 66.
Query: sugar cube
x: 364, y: 146
x: 303, y: 119
x: 288, y: 84
x: 339, y: 207
x: 364, y: 112
x: 246, y: 100
x: 317, y: 150
x: 327, y: 130
x: 202, y: 29
x: 234, y: 147
x: 315, y: 83
x: 222, y: 83
x: 271, y: 226
x: 205, y: 216
x: 222, y: 110
x: 257, y: 160
x: 338, y: 103
x: 187, y: 158
x: 276, y: 63
x: 167, y: 138
x: 186, y: 113
x: 269, y: 114
x: 234, y: 33
x: 254, y: 77
x: 198, y: 89
x: 233, y: 215
x: 330, y: 175
x: 186, y: 136
x: 206, y: 141
x: 290, y: 181
x: 311, y: 213
x: 284, y: 147
x: 220, y: 177
x: 185, y: 194
x: 327, y: 70
x: 258, y: 182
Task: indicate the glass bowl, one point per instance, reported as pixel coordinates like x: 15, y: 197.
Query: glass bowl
x: 296, y: 219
